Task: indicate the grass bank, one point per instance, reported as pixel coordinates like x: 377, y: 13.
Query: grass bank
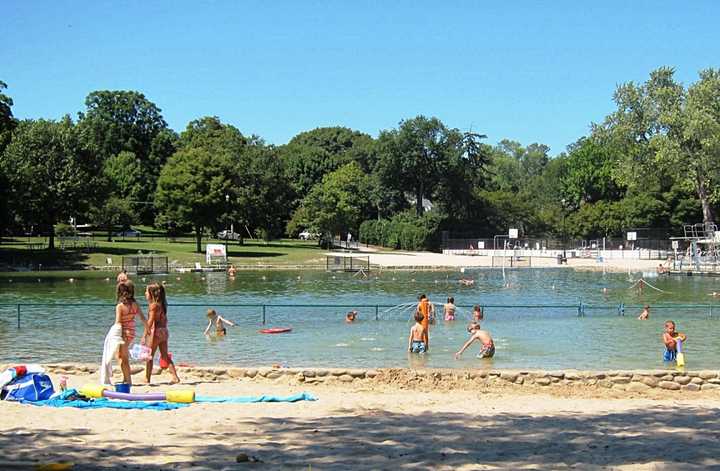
x: 32, y: 253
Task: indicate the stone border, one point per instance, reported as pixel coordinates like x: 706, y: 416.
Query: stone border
x: 631, y: 381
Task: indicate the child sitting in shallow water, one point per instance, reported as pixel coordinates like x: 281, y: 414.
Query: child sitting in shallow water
x: 219, y: 321
x: 487, y: 349
x: 416, y: 341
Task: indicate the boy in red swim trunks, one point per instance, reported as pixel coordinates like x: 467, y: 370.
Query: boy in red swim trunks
x: 487, y: 350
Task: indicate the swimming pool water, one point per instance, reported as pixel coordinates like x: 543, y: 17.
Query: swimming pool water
x: 72, y: 329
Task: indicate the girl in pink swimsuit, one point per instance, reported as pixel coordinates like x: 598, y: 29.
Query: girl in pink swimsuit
x: 158, y: 332
x: 125, y: 312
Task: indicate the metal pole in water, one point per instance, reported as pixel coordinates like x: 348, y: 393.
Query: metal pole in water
x: 263, y: 321
x: 18, y: 315
x: 376, y: 312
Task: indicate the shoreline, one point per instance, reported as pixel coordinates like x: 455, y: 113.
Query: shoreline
x: 595, y: 382
x: 399, y: 418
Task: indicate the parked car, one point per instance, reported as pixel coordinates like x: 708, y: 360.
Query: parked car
x: 230, y: 235
x: 307, y: 235
x: 128, y: 233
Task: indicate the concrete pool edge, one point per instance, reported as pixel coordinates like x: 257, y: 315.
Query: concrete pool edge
x: 635, y: 381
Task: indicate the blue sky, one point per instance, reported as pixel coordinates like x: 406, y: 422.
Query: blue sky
x: 530, y: 71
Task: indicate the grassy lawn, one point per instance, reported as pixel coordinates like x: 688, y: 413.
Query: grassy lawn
x: 31, y: 252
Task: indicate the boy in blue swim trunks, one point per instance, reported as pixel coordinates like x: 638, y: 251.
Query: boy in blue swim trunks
x: 416, y: 341
x: 670, y: 338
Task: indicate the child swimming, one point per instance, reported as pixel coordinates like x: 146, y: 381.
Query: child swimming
x: 645, y: 314
x: 158, y: 331
x: 125, y: 312
x: 487, y: 350
x: 351, y: 316
x: 449, y: 309
x: 416, y: 341
x: 670, y: 338
x: 219, y: 321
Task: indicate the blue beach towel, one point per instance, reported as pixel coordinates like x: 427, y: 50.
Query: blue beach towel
x: 248, y: 399
x: 66, y: 399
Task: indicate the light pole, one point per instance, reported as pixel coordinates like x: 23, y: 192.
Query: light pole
x: 227, y: 218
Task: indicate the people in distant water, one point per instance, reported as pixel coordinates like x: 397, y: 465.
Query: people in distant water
x: 232, y: 271
x: 645, y: 314
x: 126, y: 310
x: 477, y: 314
x: 661, y: 269
x: 449, y: 309
x: 351, y: 316
x: 487, y: 346
x: 417, y: 341
x: 714, y: 293
x: 670, y: 338
x: 122, y: 277
x: 466, y: 281
x: 219, y: 321
x: 158, y: 330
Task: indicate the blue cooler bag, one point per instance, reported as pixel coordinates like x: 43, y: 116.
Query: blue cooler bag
x: 31, y: 387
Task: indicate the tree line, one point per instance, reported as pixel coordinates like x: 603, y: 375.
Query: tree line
x: 653, y: 162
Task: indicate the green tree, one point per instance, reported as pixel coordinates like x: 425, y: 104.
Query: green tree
x: 311, y: 155
x: 126, y: 121
x: 50, y: 172
x: 121, y: 179
x: 7, y: 124
x: 338, y: 203
x: 413, y: 157
x: 265, y: 196
x: 589, y: 178
x: 661, y: 127
x: 191, y: 190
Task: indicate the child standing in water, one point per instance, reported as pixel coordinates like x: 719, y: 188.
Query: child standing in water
x: 416, y: 341
x: 158, y: 332
x: 487, y: 349
x: 670, y: 338
x: 125, y: 312
x: 449, y: 309
x: 219, y: 321
x: 427, y: 309
x: 645, y: 314
x: 477, y: 314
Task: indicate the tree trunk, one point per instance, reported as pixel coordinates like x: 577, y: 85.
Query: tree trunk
x: 109, y: 229
x: 198, y: 239
x: 418, y: 201
x: 708, y: 212
x: 51, y: 243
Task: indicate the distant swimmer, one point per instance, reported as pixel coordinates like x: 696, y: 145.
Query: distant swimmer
x: 122, y: 276
x: 645, y: 314
x: 351, y: 316
x: 466, y: 281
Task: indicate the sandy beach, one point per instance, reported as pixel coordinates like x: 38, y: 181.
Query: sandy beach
x: 432, y: 260
x: 375, y: 424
